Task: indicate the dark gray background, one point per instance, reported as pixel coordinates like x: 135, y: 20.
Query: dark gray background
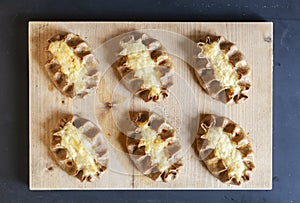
x: 14, y: 17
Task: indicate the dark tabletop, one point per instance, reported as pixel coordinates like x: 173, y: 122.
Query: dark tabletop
x: 14, y: 17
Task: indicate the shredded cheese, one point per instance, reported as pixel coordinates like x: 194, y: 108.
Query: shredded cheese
x: 71, y: 64
x: 79, y: 147
x: 223, y: 70
x: 154, y: 146
x: 140, y: 61
x: 226, y: 150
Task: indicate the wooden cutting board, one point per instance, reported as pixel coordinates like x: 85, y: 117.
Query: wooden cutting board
x: 182, y: 108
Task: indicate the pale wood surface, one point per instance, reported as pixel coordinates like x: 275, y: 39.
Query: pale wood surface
x: 182, y: 108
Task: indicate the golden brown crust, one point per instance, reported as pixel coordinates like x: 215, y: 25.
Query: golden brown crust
x: 82, y: 50
x: 142, y: 159
x: 207, y: 78
x: 93, y: 135
x: 162, y: 65
x: 207, y: 153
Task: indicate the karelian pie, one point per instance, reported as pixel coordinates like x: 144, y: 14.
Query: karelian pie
x: 154, y: 146
x: 225, y: 149
x: 222, y: 70
x: 72, y: 67
x: 145, y: 67
x: 79, y: 148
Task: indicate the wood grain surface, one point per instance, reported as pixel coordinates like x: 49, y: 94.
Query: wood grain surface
x: 182, y: 109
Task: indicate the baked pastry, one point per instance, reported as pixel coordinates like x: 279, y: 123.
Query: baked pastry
x: 153, y: 146
x: 79, y: 148
x: 225, y: 149
x: 222, y: 70
x: 72, y: 67
x: 145, y: 66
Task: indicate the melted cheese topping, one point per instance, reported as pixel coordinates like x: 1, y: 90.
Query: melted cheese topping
x: 226, y: 150
x: 71, y: 64
x: 223, y: 70
x: 79, y: 148
x: 140, y: 61
x: 154, y: 146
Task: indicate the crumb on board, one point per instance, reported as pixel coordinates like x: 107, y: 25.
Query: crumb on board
x: 268, y: 39
x: 50, y: 87
x: 109, y: 105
